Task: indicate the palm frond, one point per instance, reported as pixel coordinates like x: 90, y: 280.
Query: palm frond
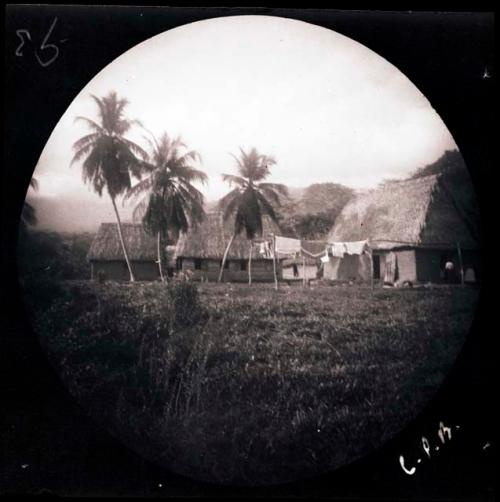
x: 86, y: 140
x: 227, y: 204
x: 266, y: 207
x: 139, y: 188
x: 231, y: 179
x: 140, y: 209
x: 248, y: 215
x: 91, y: 124
x: 275, y: 187
x: 135, y: 148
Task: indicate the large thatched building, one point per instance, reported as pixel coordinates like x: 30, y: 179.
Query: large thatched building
x: 415, y: 227
x: 106, y: 254
x: 201, y: 249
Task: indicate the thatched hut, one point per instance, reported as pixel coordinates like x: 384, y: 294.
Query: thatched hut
x: 106, y: 254
x: 415, y: 228
x: 201, y: 249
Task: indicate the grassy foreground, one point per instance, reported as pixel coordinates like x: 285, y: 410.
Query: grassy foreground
x: 241, y: 384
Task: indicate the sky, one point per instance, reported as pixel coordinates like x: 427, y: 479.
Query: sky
x: 327, y: 108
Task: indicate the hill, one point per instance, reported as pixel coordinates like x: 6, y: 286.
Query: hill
x: 310, y: 212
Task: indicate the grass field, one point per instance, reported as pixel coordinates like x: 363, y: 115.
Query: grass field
x: 243, y: 384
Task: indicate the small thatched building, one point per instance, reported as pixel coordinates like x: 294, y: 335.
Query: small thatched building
x: 106, y: 254
x: 307, y: 266
x: 415, y: 227
x: 201, y: 249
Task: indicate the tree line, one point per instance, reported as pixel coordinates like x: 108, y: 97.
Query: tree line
x: 165, y: 198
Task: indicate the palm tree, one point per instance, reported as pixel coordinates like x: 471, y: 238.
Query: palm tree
x: 251, y: 198
x: 168, y: 203
x: 28, y: 214
x: 110, y: 159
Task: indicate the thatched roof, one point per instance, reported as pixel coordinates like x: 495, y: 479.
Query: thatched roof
x: 106, y: 244
x: 209, y: 239
x: 415, y: 212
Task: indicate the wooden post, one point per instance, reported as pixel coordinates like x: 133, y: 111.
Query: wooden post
x: 370, y: 254
x: 250, y: 264
x: 371, y: 262
x: 274, y: 263
x: 303, y: 270
x: 461, y: 264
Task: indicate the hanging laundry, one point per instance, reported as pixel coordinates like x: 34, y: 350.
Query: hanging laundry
x: 391, y: 268
x: 338, y: 249
x: 285, y: 245
x: 265, y: 249
x: 356, y: 247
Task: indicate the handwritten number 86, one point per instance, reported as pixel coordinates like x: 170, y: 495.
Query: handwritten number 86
x: 25, y: 35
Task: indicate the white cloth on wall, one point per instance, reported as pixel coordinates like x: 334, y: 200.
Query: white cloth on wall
x: 286, y: 245
x: 356, y: 247
x: 338, y: 249
x: 265, y: 249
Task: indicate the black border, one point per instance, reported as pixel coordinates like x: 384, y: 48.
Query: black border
x: 444, y: 54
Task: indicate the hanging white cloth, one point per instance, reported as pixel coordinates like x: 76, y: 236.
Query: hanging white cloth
x: 356, y: 247
x: 286, y: 245
x: 338, y: 249
x: 265, y: 249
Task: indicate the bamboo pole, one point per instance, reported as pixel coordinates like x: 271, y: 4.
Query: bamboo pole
x: 461, y: 264
x: 250, y: 264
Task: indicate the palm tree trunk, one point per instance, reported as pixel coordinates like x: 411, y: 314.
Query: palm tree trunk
x: 132, y: 278
x: 224, y: 258
x: 250, y: 264
x: 158, y: 249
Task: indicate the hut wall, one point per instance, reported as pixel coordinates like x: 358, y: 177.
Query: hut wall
x: 350, y: 267
x: 262, y: 270
x: 117, y: 270
x: 114, y: 270
x: 146, y: 270
x: 309, y: 271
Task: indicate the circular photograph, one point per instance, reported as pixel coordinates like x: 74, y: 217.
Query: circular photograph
x: 250, y: 249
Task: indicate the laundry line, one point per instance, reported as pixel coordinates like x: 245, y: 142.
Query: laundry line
x: 287, y: 246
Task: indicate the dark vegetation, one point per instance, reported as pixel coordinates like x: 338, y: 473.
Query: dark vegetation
x: 310, y: 213
x: 44, y: 258
x: 246, y: 385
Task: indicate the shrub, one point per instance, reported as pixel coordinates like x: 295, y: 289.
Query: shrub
x: 187, y: 308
